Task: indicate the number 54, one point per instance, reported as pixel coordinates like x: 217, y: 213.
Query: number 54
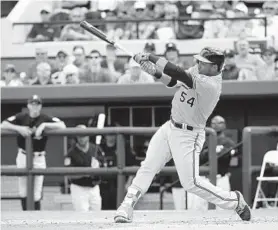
x: 190, y: 101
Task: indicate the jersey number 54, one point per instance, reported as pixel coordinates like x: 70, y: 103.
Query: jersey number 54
x: 189, y: 101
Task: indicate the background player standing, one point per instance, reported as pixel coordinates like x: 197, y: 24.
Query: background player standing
x: 183, y: 136
x: 26, y: 124
x: 85, y: 192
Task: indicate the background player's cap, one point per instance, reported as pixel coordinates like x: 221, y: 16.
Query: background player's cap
x: 150, y: 46
x: 35, y: 99
x: 229, y: 53
x: 211, y: 55
x: 171, y: 46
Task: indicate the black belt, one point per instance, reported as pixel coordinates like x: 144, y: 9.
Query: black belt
x: 181, y: 126
x: 36, y: 153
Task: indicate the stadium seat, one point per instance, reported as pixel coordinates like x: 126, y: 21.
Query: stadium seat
x: 271, y: 158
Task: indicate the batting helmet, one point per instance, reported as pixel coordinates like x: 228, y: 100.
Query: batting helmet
x: 211, y: 55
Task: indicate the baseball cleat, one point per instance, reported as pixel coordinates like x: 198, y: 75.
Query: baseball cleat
x: 242, y: 209
x: 124, y: 214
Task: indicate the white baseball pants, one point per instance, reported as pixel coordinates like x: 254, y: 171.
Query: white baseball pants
x: 38, y: 162
x: 184, y: 147
x: 86, y: 198
x: 195, y: 202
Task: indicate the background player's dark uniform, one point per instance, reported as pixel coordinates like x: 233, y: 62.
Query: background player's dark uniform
x: 39, y: 144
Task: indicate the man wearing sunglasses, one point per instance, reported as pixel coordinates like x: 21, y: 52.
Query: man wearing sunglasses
x: 95, y: 73
x: 182, y: 137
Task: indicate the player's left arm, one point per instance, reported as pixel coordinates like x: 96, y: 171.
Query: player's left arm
x: 54, y: 123
x: 50, y: 123
x: 166, y: 71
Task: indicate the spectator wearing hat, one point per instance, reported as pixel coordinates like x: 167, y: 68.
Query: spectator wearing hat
x: 146, y: 30
x: 172, y: 54
x: 239, y: 28
x: 150, y: 48
x: 32, y: 123
x: 135, y: 75
x: 43, y: 32
x: 249, y: 64
x: 10, y: 77
x: 270, y: 68
x: 230, y: 70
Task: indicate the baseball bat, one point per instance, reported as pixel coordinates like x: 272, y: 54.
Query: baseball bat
x: 98, y: 33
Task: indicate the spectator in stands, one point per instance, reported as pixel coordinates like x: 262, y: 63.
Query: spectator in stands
x: 58, y: 78
x: 215, y: 28
x: 172, y: 54
x: 112, y: 62
x: 43, y: 75
x: 270, y: 69
x: 95, y: 73
x: 43, y: 32
x: 270, y: 12
x: 239, y: 28
x: 10, y: 77
x: 79, y: 59
x: 193, y: 29
x: 85, y: 191
x: 114, y: 31
x: 135, y: 75
x: 73, y: 32
x: 166, y: 29
x: 146, y: 29
x: 61, y: 61
x: 71, y: 74
x: 41, y: 56
x: 186, y: 8
x: 230, y: 70
x: 150, y: 48
x: 249, y: 64
x: 221, y: 7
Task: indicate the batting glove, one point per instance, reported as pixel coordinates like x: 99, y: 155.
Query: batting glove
x: 148, y: 67
x: 141, y: 57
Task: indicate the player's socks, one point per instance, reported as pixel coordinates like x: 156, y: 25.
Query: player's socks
x: 124, y: 213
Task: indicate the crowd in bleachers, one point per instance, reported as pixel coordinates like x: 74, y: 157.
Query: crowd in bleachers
x: 156, y: 12
x: 80, y: 67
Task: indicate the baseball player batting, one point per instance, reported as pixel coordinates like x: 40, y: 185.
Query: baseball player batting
x: 182, y: 137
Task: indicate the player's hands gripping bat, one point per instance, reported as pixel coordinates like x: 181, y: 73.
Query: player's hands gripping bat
x: 93, y: 30
x: 141, y: 57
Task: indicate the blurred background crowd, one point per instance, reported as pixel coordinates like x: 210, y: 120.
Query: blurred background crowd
x: 163, y: 20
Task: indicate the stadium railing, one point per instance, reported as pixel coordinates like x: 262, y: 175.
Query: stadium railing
x: 247, y: 167
x: 138, y: 21
x: 120, y: 171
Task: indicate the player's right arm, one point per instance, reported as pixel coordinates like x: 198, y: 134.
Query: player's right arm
x: 14, y: 123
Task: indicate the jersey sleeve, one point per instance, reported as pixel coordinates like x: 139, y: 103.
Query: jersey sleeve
x: 16, y: 119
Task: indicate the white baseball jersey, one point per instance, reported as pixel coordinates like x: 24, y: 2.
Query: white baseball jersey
x: 194, y: 106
